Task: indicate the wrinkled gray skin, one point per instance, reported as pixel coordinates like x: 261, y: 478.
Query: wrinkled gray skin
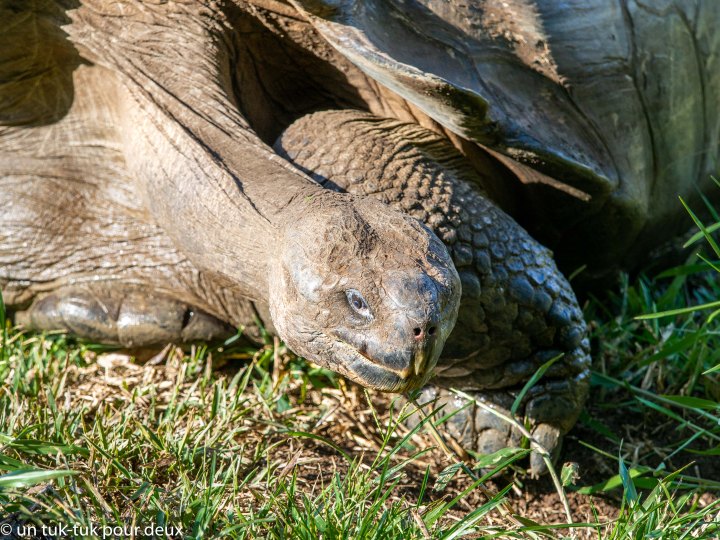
x: 141, y: 202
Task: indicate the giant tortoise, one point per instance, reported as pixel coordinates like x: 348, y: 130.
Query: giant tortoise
x: 346, y: 172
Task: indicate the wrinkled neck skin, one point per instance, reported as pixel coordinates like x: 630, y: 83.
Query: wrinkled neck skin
x: 214, y: 187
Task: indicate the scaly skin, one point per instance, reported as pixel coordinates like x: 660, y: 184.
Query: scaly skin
x: 517, y: 310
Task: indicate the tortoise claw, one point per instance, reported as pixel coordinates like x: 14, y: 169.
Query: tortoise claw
x: 550, y: 438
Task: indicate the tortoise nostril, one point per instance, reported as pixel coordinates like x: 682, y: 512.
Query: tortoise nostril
x: 420, y: 332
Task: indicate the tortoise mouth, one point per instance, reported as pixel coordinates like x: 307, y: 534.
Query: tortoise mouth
x: 369, y: 372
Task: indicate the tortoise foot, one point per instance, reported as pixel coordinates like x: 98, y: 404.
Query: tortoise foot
x: 548, y: 411
x: 126, y: 317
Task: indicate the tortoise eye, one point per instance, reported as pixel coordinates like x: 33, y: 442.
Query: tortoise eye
x: 357, y: 302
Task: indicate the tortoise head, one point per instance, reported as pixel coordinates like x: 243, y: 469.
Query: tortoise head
x: 363, y: 290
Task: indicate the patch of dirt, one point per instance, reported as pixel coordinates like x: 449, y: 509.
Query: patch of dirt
x: 648, y: 438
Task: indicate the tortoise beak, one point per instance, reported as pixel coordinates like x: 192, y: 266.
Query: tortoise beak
x: 420, y: 362
x: 423, y: 356
x: 381, y: 373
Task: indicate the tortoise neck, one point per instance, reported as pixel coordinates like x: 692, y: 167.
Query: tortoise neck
x: 215, y: 188
x: 209, y: 181
x: 218, y: 192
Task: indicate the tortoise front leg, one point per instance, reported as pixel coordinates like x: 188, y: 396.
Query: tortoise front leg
x: 132, y: 317
x: 517, y: 310
x: 549, y: 410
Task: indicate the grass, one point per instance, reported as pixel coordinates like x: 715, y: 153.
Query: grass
x: 241, y: 443
x: 102, y: 442
x: 231, y: 442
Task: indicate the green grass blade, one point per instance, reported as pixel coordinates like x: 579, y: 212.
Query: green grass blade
x: 700, y: 235
x: 703, y: 229
x: 504, y: 455
x: 712, y: 370
x: 31, y: 477
x: 629, y: 490
x: 532, y: 382
x: 679, y: 311
x: 691, y: 402
x: 320, y: 438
